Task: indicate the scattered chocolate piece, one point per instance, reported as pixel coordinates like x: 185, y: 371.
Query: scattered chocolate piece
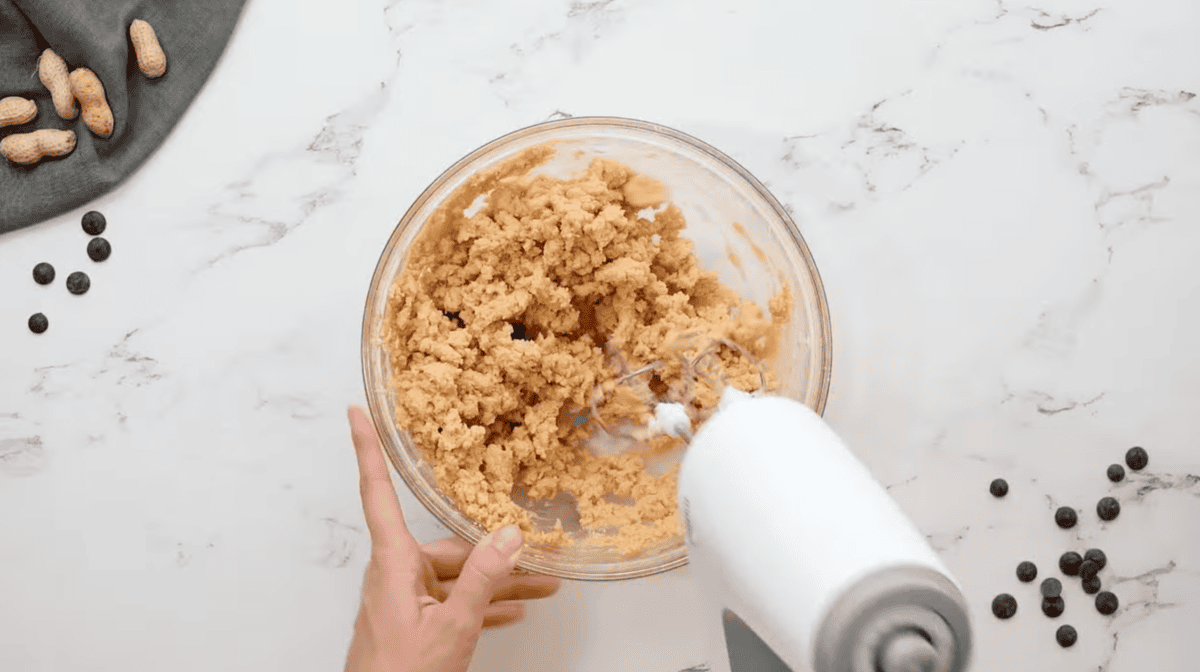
x: 1096, y: 555
x: 1053, y: 606
x: 1137, y: 458
x: 1116, y: 473
x: 1065, y: 517
x: 1004, y: 606
x: 94, y: 223
x: 38, y: 323
x: 1088, y: 569
x: 1026, y: 571
x: 1092, y: 586
x: 78, y: 282
x: 1066, y: 636
x: 98, y: 249
x: 999, y: 487
x: 1108, y: 508
x: 43, y: 273
x: 1069, y: 563
x: 1051, y: 587
x: 1106, y: 603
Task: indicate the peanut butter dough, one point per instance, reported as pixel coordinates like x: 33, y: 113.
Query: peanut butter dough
x: 513, y: 333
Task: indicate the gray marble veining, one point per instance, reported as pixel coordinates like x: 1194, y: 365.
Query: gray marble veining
x: 1003, y: 201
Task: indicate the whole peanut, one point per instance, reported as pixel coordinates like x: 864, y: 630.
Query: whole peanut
x: 52, y: 70
x: 27, y: 148
x: 88, y: 90
x: 150, y: 56
x: 15, y: 111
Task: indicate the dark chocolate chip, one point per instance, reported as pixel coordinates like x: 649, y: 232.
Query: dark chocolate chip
x: 1092, y: 586
x: 1137, y: 458
x: 38, y: 323
x: 43, y: 273
x: 78, y: 282
x: 1065, y: 517
x: 1053, y: 606
x: 1069, y: 563
x: 98, y: 249
x: 1096, y: 555
x: 1026, y: 571
x: 1116, y: 473
x: 1108, y: 508
x: 1088, y: 569
x: 1004, y: 606
x: 1107, y: 603
x: 1051, y: 587
x: 999, y: 487
x: 1066, y: 636
x: 94, y: 223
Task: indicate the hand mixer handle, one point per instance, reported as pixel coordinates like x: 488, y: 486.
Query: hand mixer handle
x: 788, y: 530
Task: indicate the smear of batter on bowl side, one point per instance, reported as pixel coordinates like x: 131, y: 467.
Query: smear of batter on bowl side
x: 503, y: 324
x: 746, y: 235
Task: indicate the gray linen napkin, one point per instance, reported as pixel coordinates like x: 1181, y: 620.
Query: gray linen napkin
x: 95, y: 34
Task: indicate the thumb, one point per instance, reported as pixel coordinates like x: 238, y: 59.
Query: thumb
x: 491, y: 562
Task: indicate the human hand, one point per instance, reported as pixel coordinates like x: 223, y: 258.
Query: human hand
x: 423, y: 606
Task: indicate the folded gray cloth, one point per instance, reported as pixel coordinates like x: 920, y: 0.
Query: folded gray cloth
x: 95, y: 34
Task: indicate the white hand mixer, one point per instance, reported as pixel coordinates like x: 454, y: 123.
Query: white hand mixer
x: 803, y: 560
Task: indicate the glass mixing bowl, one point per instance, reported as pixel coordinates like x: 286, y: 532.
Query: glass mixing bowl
x: 740, y: 231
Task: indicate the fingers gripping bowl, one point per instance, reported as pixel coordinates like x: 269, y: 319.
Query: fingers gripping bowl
x: 571, y: 365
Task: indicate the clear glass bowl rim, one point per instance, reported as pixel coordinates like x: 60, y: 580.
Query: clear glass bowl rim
x: 378, y: 410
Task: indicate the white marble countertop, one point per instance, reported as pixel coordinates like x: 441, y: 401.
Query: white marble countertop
x: 1003, y: 201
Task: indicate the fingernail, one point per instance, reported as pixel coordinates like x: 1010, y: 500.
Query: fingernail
x: 507, y: 540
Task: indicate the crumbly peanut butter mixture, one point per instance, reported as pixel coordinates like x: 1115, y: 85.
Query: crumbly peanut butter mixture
x: 511, y: 333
